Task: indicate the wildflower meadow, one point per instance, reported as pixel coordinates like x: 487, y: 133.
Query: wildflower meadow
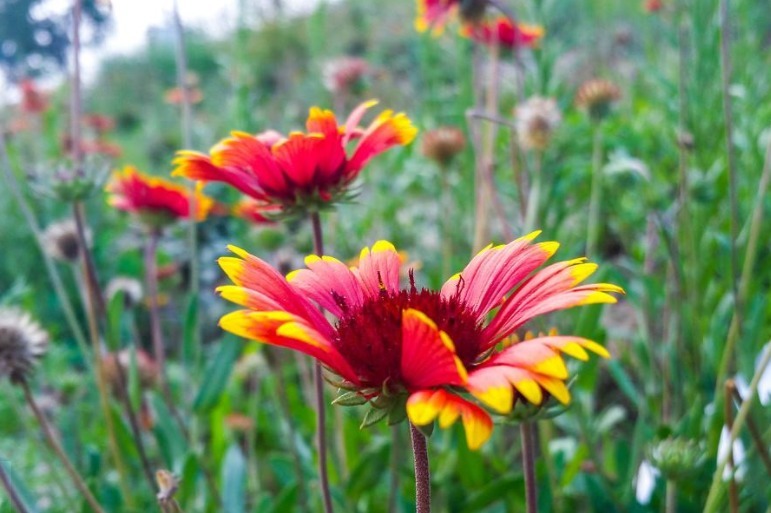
x: 364, y: 256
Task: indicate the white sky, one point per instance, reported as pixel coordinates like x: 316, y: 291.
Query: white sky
x: 132, y: 18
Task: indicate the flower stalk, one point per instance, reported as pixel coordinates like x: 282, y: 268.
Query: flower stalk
x: 10, y: 489
x: 750, y: 256
x: 422, y: 471
x: 593, y: 231
x: 53, y: 274
x: 94, y: 304
x: 187, y: 138
x: 93, y: 300
x: 53, y: 442
x: 733, y: 489
x: 528, y: 466
x: 318, y: 379
x: 716, y: 488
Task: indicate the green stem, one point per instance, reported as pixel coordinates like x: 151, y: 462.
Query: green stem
x: 10, y: 489
x: 53, y: 274
x: 593, y: 231
x: 93, y: 303
x: 750, y: 255
x: 534, y: 195
x: 716, y: 489
x: 53, y: 441
x: 670, y: 505
x: 393, y: 485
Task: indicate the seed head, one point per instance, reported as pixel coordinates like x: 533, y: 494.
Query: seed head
x: 597, y: 96
x: 131, y: 289
x: 62, y: 242
x: 537, y: 118
x: 22, y: 342
x: 442, y: 144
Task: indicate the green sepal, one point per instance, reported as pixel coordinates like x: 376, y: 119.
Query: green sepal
x: 352, y: 398
x: 398, y: 411
x: 373, y: 416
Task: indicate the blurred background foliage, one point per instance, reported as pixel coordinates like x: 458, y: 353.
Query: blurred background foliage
x: 666, y: 346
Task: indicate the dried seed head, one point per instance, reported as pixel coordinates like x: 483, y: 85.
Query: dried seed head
x: 597, y: 96
x: 537, y: 118
x: 443, y: 144
x: 22, y: 342
x: 129, y: 287
x: 685, y: 141
x: 168, y: 484
x: 62, y: 242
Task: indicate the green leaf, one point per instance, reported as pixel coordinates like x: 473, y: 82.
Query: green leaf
x: 216, y: 375
x: 190, y: 333
x: 171, y: 442
x: 114, y: 312
x: 234, y: 481
x: 368, y: 472
x: 285, y: 501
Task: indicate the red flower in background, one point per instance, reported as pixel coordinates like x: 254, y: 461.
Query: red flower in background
x: 154, y: 198
x: 652, y: 6
x: 430, y: 348
x: 99, y: 123
x: 435, y: 14
x: 312, y: 168
x: 32, y: 100
x: 502, y: 32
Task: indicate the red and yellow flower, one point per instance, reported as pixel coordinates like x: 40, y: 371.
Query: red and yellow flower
x: 502, y: 32
x: 154, y: 198
x: 304, y: 169
x: 435, y: 14
x: 435, y: 351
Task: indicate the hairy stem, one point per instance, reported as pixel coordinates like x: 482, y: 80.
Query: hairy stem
x: 422, y: 471
x: 321, y: 428
x: 528, y: 466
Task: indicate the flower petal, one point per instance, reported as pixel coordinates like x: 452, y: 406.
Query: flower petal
x: 268, y: 287
x: 330, y: 283
x: 386, y: 131
x: 496, y: 270
x: 379, y: 269
x: 426, y: 405
x: 283, y: 329
x: 428, y: 354
x: 550, y: 289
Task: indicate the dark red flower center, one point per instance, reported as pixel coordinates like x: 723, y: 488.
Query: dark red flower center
x: 370, y: 337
